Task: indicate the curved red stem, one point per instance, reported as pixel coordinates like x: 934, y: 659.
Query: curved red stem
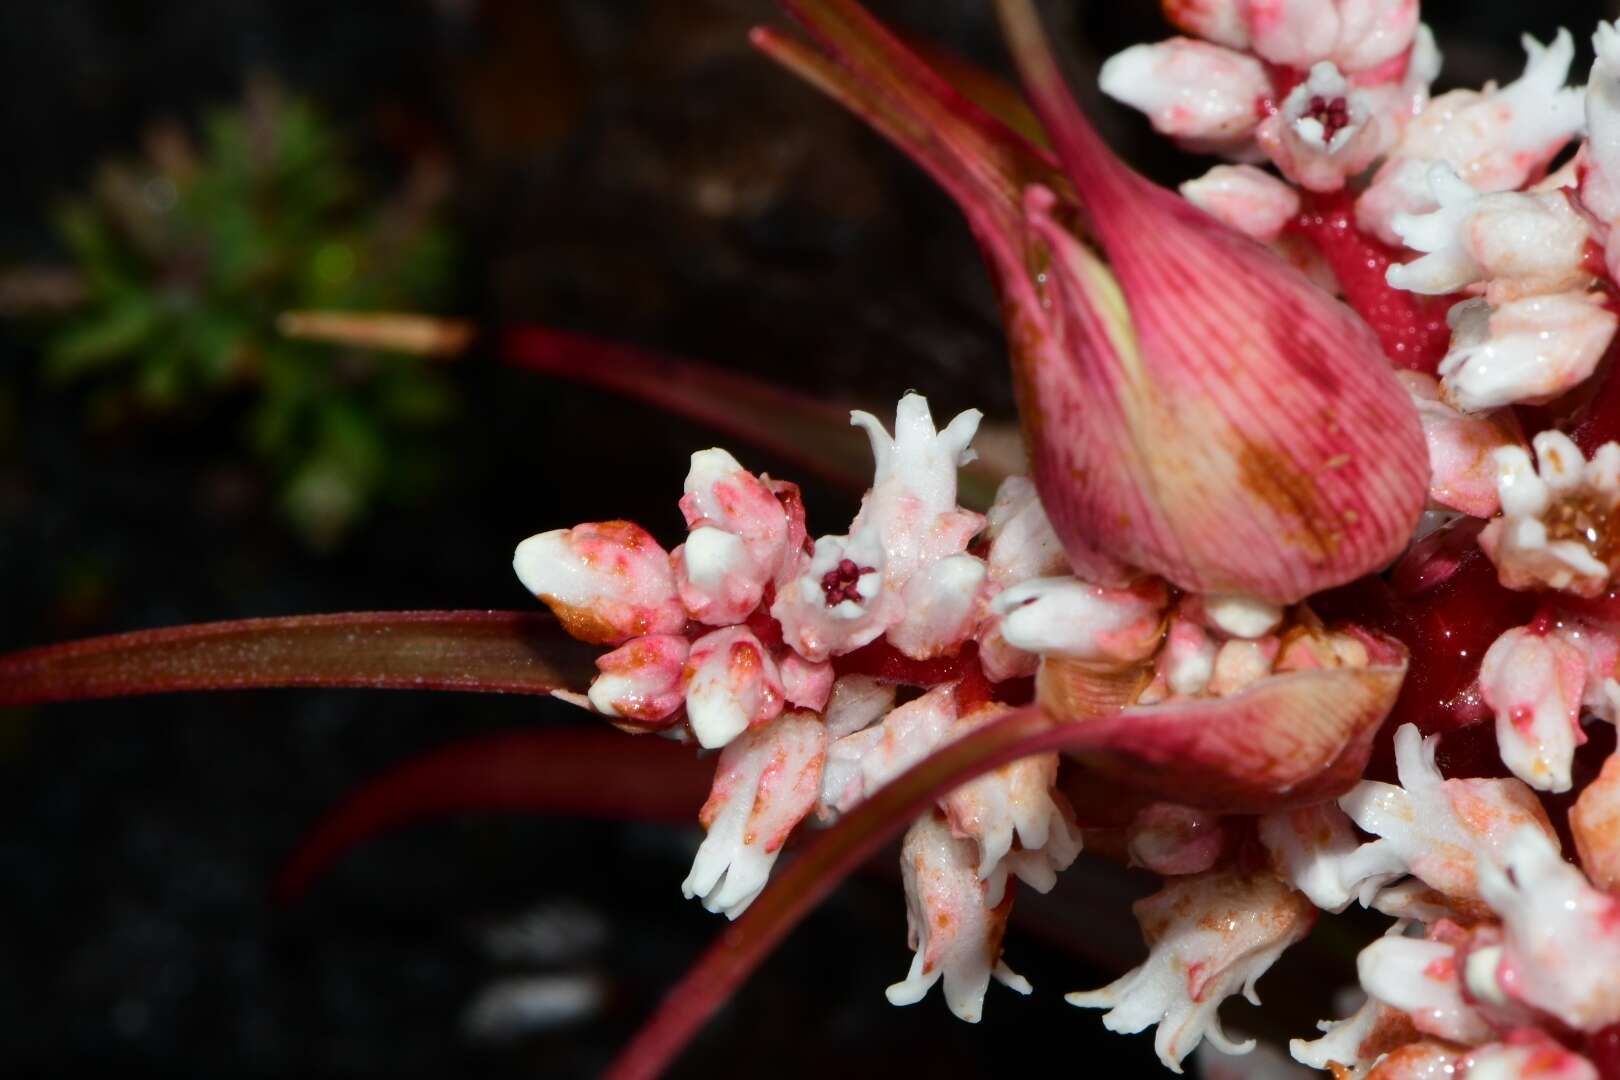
x: 579, y: 772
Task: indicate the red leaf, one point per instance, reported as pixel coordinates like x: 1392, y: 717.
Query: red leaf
x: 586, y: 772
x: 499, y: 652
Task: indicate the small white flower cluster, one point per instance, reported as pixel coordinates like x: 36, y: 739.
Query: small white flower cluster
x: 752, y: 639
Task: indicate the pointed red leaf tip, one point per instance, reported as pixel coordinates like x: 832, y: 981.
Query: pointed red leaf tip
x: 499, y: 652
x: 587, y: 772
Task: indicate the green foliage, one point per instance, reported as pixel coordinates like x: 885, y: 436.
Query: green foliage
x: 190, y: 254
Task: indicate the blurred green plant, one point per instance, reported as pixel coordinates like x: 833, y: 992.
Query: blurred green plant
x: 188, y: 256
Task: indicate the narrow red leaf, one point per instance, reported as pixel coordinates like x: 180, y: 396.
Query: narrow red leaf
x: 814, y: 435
x: 577, y: 772
x: 500, y: 652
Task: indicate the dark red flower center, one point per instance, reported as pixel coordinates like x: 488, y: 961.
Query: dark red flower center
x: 842, y: 582
x: 1332, y: 113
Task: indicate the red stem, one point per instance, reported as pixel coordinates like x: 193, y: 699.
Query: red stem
x: 499, y: 652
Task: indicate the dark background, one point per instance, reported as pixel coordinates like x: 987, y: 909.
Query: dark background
x: 625, y: 168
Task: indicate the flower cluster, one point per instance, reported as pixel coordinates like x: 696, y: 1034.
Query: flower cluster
x: 1225, y: 465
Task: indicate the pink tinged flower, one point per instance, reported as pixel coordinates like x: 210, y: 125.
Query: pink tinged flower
x: 860, y: 763
x: 1594, y: 821
x: 1210, y: 936
x: 1600, y: 180
x: 805, y: 684
x: 943, y: 603
x: 1068, y: 618
x: 606, y: 582
x: 1496, y: 139
x: 1175, y: 840
x: 839, y: 601
x: 911, y: 509
x: 721, y: 494
x: 1022, y: 546
x: 1360, y: 1039
x: 718, y: 581
x: 733, y: 685
x: 1522, y: 243
x: 1527, y: 1054
x: 1533, y: 681
x: 1554, y: 531
x: 1526, y: 351
x: 1313, y: 849
x: 1022, y: 543
x: 1187, y: 662
x: 1239, y: 664
x: 954, y: 931
x: 1151, y: 445
x: 1325, y: 131
x: 643, y: 681
x: 1423, y: 980
x: 1014, y: 802
x: 1462, y: 448
x: 766, y: 782
x: 1425, y: 1060
x: 1561, y: 948
x: 1244, y: 198
x: 1440, y: 831
x: 1204, y: 94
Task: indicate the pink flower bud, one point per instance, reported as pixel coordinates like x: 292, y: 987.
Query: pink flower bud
x: 606, y: 582
x: 643, y: 680
x: 733, y: 685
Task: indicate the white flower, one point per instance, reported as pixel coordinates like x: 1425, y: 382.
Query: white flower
x: 1211, y: 936
x: 911, y: 510
x: 954, y: 930
x: 1325, y: 131
x: 857, y: 702
x: 1247, y: 199
x: 942, y: 603
x: 1015, y: 801
x: 1023, y: 545
x: 1527, y: 351
x: 1536, y: 241
x: 839, y: 601
x: 1071, y: 618
x: 1600, y: 186
x: 1311, y: 848
x: 1553, y: 532
x: 1353, y: 1043
x: 766, y: 782
x: 1420, y: 978
x: 734, y: 685
x: 1561, y: 952
x: 1495, y: 139
x: 1190, y: 90
x: 1462, y: 470
x: 860, y: 763
x: 1440, y: 831
x: 1531, y: 1055
x: 1533, y: 681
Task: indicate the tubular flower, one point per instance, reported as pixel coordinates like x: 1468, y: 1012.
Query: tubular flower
x: 1555, y: 531
x: 1209, y: 936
